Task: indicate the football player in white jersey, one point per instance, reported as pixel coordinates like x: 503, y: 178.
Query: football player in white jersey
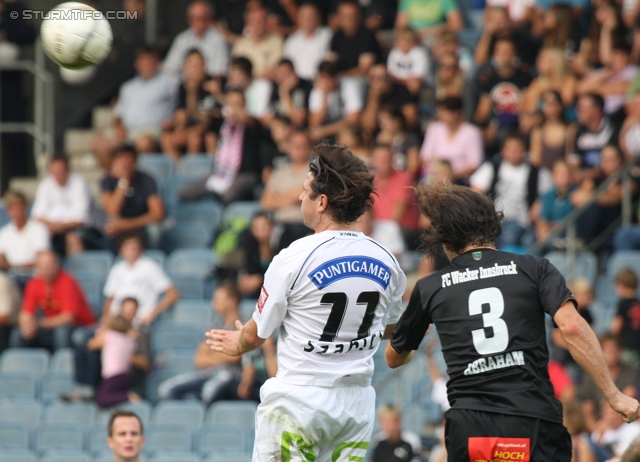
x: 335, y: 295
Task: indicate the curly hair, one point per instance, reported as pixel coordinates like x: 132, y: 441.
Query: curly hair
x: 344, y: 179
x: 459, y: 218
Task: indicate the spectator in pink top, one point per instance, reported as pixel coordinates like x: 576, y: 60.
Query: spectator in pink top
x: 453, y: 139
x: 396, y: 199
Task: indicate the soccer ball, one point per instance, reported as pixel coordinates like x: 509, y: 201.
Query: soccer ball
x: 75, y: 35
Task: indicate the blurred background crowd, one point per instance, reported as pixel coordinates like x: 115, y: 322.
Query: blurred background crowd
x: 180, y: 161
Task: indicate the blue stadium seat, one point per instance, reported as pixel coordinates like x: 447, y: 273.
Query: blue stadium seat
x: 80, y: 413
x: 66, y: 457
x: 207, y: 213
x: 163, y: 437
x: 62, y: 361
x: 221, y: 438
x: 605, y: 290
x: 585, y: 266
x: 92, y: 287
x: 171, y: 456
x: 240, y: 413
x: 624, y: 259
x: 193, y: 311
x: 245, y: 209
x: 602, y: 316
x: 228, y: 458
x: 159, y: 166
x: 156, y: 255
x: 17, y: 456
x: 33, y: 361
x: 187, y: 236
x: 169, y: 335
x: 55, y: 384
x: 173, y: 187
x: 195, y: 165
x: 96, y: 262
x: 247, y: 307
x: 14, y: 436
x: 28, y: 413
x: 96, y: 440
x: 4, y: 218
x: 17, y: 386
x: 190, y: 288
x: 58, y: 436
x: 175, y: 361
x: 154, y: 379
x: 142, y: 409
x: 191, y: 262
x: 187, y: 413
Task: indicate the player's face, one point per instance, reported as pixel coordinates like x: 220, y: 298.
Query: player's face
x: 126, y: 440
x: 309, y: 206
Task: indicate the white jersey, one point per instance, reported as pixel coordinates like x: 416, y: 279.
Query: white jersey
x: 334, y: 293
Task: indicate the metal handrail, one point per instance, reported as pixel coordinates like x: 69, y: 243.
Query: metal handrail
x: 42, y: 128
x: 568, y: 224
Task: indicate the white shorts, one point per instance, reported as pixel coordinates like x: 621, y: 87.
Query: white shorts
x: 301, y: 423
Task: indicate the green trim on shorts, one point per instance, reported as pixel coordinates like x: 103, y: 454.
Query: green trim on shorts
x: 305, y: 449
x: 354, y: 444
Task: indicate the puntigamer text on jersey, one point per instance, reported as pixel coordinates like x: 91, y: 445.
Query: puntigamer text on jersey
x: 350, y: 267
x: 456, y: 277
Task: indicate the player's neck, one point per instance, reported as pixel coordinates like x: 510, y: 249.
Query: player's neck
x: 333, y: 226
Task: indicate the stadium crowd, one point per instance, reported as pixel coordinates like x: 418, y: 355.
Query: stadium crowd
x: 537, y: 109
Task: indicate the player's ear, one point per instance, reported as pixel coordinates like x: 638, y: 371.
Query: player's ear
x: 323, y: 203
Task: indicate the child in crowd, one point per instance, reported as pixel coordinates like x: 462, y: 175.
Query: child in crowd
x: 118, y: 343
x: 555, y: 204
x: 626, y: 324
x: 408, y: 62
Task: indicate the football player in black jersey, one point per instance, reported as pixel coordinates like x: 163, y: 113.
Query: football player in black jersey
x: 489, y: 310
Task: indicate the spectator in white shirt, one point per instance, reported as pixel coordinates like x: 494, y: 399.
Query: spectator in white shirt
x: 309, y: 45
x: 20, y: 240
x: 139, y: 277
x: 408, y: 62
x: 145, y: 104
x: 333, y: 106
x: 63, y: 204
x: 514, y: 184
x: 202, y: 36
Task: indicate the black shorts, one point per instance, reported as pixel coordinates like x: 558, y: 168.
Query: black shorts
x: 548, y: 441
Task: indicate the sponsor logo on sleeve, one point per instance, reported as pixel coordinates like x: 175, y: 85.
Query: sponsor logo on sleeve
x: 262, y: 300
x: 495, y: 449
x: 355, y: 266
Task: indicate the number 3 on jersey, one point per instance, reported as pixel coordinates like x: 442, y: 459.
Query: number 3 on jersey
x: 499, y: 341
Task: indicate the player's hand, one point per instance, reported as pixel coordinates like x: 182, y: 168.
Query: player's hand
x: 626, y: 406
x: 225, y: 341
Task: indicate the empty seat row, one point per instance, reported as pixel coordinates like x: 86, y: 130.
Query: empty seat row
x: 68, y: 436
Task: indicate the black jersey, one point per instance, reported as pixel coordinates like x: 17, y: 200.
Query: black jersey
x: 488, y: 307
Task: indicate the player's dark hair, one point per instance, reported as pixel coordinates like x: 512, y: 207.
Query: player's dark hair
x: 122, y: 413
x: 344, y: 179
x: 243, y: 64
x: 627, y: 278
x: 459, y: 218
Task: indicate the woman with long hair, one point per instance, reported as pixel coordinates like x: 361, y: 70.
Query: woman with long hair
x: 553, y: 139
x: 558, y: 24
x: 553, y: 74
x: 449, y: 77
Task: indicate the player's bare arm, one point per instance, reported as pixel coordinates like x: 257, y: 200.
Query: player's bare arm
x: 585, y: 349
x: 395, y: 359
x: 238, y: 342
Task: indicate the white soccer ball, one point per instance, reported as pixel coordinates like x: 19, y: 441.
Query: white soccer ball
x: 75, y: 35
